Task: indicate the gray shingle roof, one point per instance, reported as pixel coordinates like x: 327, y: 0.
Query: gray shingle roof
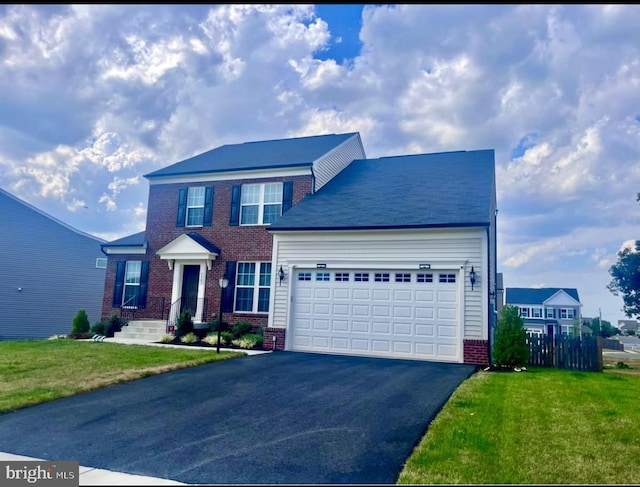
x: 204, y: 242
x: 135, y: 240
x: 526, y: 295
x: 411, y: 191
x: 300, y: 151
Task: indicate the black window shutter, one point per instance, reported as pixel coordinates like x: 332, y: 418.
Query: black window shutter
x: 119, y: 284
x: 182, y: 207
x: 287, y: 195
x: 208, y: 207
x: 227, y: 295
x: 234, y: 217
x: 144, y: 284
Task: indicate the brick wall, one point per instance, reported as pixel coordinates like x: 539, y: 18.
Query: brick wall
x: 476, y: 352
x: 269, y: 335
x: 239, y: 243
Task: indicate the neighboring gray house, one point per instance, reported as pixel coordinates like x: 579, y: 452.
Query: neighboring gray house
x: 546, y: 311
x: 49, y: 272
x: 626, y: 326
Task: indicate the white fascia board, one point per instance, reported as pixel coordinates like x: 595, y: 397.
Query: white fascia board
x: 125, y: 250
x: 232, y: 175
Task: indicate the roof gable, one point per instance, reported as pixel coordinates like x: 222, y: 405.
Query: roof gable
x: 191, y: 246
x: 549, y: 296
x: 411, y: 191
x: 280, y: 153
x: 31, y: 211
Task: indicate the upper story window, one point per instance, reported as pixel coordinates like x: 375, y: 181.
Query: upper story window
x: 550, y: 313
x: 260, y: 204
x: 195, y: 206
x: 524, y: 312
x: 536, y: 312
x: 567, y: 313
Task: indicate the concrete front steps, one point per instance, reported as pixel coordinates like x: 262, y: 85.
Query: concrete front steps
x: 149, y: 330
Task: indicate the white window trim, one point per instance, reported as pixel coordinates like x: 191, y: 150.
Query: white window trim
x: 537, y: 308
x: 548, y: 313
x: 256, y: 288
x: 125, y: 283
x: 567, y: 312
x: 260, y: 203
x: 190, y: 207
x: 524, y: 314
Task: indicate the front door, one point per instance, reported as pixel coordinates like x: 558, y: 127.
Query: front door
x: 190, y: 277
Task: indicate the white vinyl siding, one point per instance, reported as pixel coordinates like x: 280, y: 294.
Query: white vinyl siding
x: 392, y: 250
x: 335, y: 161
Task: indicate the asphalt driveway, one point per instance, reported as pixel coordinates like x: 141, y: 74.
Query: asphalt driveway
x: 276, y: 418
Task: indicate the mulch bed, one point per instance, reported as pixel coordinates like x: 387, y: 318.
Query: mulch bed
x: 200, y: 343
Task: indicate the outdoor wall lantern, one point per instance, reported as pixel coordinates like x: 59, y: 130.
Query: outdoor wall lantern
x: 281, y: 275
x: 472, y: 277
x: 224, y: 282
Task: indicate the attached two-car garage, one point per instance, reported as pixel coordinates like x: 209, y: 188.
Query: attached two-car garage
x: 377, y: 312
x: 378, y: 261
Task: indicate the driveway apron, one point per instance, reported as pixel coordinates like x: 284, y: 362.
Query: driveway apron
x: 281, y: 417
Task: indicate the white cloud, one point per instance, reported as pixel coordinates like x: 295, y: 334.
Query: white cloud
x: 96, y: 96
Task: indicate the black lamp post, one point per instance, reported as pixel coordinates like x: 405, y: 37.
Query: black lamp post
x: 224, y: 282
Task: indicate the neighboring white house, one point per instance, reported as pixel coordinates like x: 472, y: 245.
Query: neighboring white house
x: 49, y: 272
x: 394, y: 257
x: 546, y: 311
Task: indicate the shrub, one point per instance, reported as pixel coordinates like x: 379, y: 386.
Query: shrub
x: 213, y: 325
x: 510, y: 339
x: 114, y: 324
x: 622, y: 365
x: 241, y: 328
x: 98, y: 328
x: 248, y: 340
x: 166, y: 338
x: 226, y: 336
x: 184, y: 326
x: 189, y: 338
x: 80, y: 323
x: 212, y: 339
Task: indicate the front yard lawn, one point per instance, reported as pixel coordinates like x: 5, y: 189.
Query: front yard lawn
x: 543, y: 426
x: 36, y: 371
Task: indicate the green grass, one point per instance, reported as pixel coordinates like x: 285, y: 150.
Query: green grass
x: 543, y: 426
x: 37, y: 371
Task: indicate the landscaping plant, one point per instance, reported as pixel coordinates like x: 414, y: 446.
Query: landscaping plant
x: 80, y: 324
x: 510, y: 339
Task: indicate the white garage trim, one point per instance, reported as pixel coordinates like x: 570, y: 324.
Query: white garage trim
x: 412, y: 319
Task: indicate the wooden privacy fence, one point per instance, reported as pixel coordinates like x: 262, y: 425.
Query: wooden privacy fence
x: 566, y: 352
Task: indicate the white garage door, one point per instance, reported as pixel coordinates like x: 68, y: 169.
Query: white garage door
x: 399, y: 314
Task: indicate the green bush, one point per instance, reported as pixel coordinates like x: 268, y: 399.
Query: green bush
x: 189, y: 338
x: 81, y: 323
x: 98, y: 328
x: 241, y: 328
x: 114, y: 324
x: 248, y: 340
x: 213, y: 324
x: 166, y: 338
x: 510, y: 339
x: 226, y: 336
x: 184, y: 325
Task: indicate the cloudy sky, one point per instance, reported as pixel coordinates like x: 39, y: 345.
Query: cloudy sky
x: 96, y: 96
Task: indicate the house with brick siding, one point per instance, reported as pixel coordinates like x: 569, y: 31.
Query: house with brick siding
x: 207, y: 217
x: 331, y: 252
